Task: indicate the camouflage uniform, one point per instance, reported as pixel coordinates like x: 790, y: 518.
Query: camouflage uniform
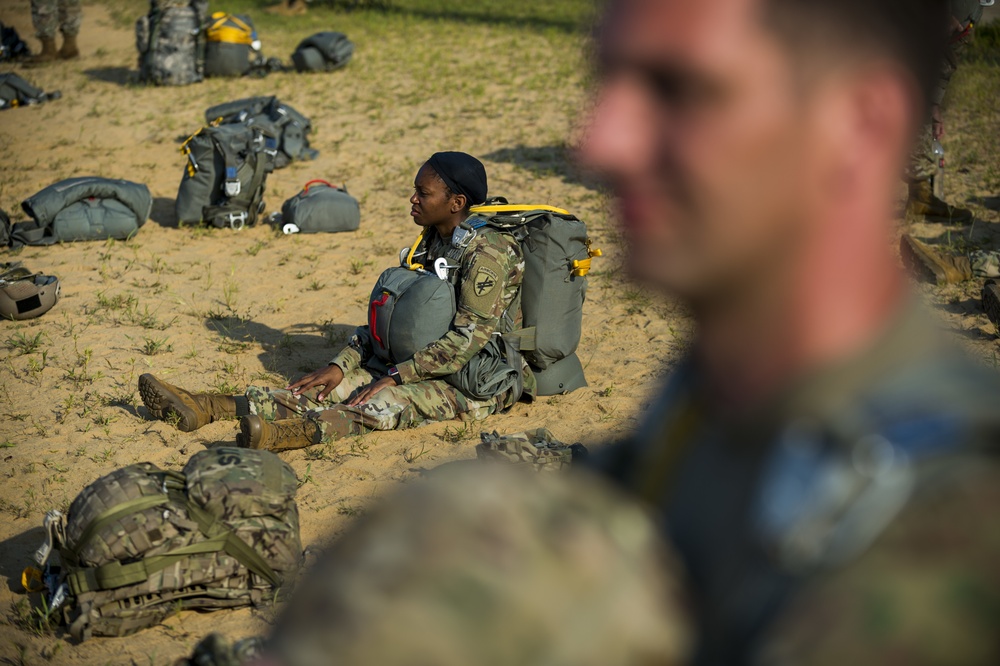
x: 422, y: 397
x: 564, y: 572
x: 48, y: 16
x: 891, y: 448
x: 923, y: 165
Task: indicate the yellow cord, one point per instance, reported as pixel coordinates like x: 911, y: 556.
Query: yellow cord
x: 409, y: 258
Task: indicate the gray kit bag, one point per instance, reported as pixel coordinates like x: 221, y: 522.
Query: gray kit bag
x: 223, y: 182
x: 289, y: 127
x: 321, y: 206
x: 407, y: 311
x: 170, y: 41
x: 323, y: 52
x: 15, y: 91
x: 88, y: 208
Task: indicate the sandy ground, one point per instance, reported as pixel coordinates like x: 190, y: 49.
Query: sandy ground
x: 218, y: 310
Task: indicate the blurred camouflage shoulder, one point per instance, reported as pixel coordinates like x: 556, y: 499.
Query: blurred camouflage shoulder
x: 491, y: 564
x: 926, y: 593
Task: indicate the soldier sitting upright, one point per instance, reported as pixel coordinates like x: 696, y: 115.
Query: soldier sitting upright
x: 355, y: 393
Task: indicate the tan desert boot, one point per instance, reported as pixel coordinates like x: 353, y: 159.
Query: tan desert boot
x: 192, y: 410
x: 47, y: 55
x: 279, y: 435
x: 69, y: 49
x: 922, y: 259
x: 923, y: 203
x: 991, y: 301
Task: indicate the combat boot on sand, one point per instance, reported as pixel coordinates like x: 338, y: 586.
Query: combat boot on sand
x: 923, y: 259
x: 47, y: 55
x: 69, y: 49
x: 279, y: 435
x: 991, y: 301
x: 192, y: 410
x: 923, y: 203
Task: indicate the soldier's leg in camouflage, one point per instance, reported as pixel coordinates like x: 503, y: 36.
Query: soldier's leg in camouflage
x: 45, y: 18
x: 70, y: 18
x: 188, y: 410
x: 920, y: 172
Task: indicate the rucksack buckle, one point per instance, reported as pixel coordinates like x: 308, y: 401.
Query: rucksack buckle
x: 236, y: 220
x: 233, y: 188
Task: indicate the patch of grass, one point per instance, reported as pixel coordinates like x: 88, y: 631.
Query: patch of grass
x: 23, y: 344
x: 153, y: 346
x: 455, y: 434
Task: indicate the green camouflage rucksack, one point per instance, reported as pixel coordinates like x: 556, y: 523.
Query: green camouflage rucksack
x: 142, y: 543
x: 171, y: 42
x: 536, y: 448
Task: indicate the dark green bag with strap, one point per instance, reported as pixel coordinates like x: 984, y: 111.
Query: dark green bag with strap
x: 77, y: 209
x: 142, y: 543
x: 224, y: 179
x: 321, y: 207
x: 289, y: 127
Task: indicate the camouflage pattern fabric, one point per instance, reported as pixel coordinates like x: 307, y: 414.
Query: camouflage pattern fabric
x: 141, y: 543
x: 564, y: 572
x: 926, y: 594
x: 762, y: 506
x: 170, y: 43
x: 392, y: 408
x: 538, y: 449
x: 50, y: 16
x: 985, y: 264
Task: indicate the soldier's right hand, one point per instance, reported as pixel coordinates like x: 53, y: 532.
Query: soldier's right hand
x: 329, y: 378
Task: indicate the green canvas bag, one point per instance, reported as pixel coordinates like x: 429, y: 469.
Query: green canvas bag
x: 321, y: 207
x: 289, y: 127
x: 141, y: 543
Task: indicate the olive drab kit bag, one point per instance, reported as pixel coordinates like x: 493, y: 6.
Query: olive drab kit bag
x: 320, y: 207
x: 225, y: 174
x: 289, y: 128
x: 77, y: 209
x: 142, y: 543
x: 171, y: 42
x: 323, y: 52
x: 15, y: 92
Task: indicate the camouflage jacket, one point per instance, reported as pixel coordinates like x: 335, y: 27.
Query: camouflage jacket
x: 488, y: 286
x: 822, y: 491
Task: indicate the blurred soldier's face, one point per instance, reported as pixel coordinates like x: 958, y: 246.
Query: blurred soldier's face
x: 707, y: 141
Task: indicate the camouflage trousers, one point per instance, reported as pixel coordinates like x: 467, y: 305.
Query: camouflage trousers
x: 48, y: 16
x: 922, y: 165
x: 392, y: 408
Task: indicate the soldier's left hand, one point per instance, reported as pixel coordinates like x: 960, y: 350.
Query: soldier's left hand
x: 366, y: 394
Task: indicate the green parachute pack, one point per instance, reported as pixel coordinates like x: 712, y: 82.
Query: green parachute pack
x: 141, y: 543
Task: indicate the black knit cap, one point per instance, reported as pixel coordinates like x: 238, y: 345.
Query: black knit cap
x: 462, y: 173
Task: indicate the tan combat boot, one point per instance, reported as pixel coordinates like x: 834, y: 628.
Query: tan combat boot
x: 288, y: 8
x: 69, y: 49
x: 991, y: 301
x: 47, y: 55
x: 280, y: 435
x: 922, y: 259
x: 923, y: 203
x: 192, y: 410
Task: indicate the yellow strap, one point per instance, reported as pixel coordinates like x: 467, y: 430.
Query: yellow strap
x: 220, y: 32
x: 513, y: 208
x: 31, y: 580
x: 409, y: 258
x: 582, y: 266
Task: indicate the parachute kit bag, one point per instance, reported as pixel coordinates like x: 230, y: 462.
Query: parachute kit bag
x: 12, y: 47
x: 557, y: 256
x: 323, y: 52
x: 171, y: 43
x: 23, y: 294
x: 230, y: 39
x: 87, y: 208
x: 223, y: 182
x: 141, y: 543
x: 320, y: 206
x: 289, y: 128
x: 15, y: 92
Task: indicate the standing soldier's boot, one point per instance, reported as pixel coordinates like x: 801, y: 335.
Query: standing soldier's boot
x: 279, y: 435
x: 47, y: 55
x: 923, y: 259
x: 991, y: 301
x: 923, y: 203
x: 192, y: 410
x: 69, y: 49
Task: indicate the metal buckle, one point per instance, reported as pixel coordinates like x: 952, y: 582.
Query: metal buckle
x: 233, y: 188
x: 233, y: 218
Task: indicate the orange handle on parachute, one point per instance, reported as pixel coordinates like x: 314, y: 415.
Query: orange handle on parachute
x: 321, y: 181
